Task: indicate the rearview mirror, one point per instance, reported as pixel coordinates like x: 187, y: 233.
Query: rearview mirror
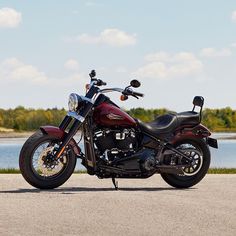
x: 135, y: 83
x: 92, y: 74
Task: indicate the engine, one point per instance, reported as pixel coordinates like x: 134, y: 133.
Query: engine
x: 121, y: 147
x: 115, y: 143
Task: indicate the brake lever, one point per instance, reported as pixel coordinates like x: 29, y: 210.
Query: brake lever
x: 135, y: 96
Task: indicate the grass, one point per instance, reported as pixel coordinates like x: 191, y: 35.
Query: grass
x: 9, y: 171
x: 210, y: 171
x: 222, y: 171
x: 224, y: 130
x: 80, y: 172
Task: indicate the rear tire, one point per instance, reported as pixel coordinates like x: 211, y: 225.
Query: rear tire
x: 30, y: 174
x: 183, y: 181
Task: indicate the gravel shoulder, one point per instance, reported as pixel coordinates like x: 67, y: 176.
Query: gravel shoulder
x: 86, y: 205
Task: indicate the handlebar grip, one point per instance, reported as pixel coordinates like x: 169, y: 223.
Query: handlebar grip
x: 138, y: 94
x: 100, y: 82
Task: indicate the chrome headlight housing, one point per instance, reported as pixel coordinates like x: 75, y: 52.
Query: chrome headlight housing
x: 75, y: 101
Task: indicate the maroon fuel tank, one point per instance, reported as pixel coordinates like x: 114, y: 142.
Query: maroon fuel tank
x: 111, y: 116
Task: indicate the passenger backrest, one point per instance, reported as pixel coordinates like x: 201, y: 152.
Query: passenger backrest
x: 198, y: 101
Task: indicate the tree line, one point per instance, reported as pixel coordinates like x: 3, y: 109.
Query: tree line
x: 23, y: 119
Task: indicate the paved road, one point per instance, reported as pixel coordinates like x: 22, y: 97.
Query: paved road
x: 86, y: 205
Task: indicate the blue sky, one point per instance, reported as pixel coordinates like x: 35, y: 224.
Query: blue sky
x: 177, y: 49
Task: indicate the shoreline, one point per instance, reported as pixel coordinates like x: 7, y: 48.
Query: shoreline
x: 79, y: 171
x: 15, y: 134
x: 26, y: 134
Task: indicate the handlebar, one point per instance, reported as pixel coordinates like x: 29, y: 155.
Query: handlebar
x: 94, y: 80
x: 126, y: 92
x: 103, y: 83
x: 138, y: 94
x: 98, y: 82
x: 129, y: 91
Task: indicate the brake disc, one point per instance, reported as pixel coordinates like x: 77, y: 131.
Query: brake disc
x: 48, y: 169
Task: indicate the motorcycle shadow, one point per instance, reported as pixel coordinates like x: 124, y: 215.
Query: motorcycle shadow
x: 73, y: 190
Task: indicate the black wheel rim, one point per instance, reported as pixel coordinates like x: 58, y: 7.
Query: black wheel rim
x: 196, y: 156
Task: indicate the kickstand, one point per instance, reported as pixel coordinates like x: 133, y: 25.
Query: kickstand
x: 115, y: 183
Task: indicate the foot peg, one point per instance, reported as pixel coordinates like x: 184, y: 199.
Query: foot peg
x: 115, y: 183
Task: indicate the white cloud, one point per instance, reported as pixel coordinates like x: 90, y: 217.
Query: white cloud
x: 9, y: 18
x: 153, y: 70
x: 167, y: 57
x: 233, y: 45
x: 212, y: 52
x: 159, y: 56
x: 164, y: 65
x: 113, y: 37
x: 74, y: 79
x: 233, y: 16
x: 71, y: 64
x: 13, y: 69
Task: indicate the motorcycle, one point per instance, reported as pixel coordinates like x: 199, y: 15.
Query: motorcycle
x: 116, y: 144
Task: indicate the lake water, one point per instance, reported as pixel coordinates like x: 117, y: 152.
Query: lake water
x: 225, y: 156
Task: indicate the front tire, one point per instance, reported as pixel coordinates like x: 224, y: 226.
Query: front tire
x: 41, y: 173
x: 191, y: 179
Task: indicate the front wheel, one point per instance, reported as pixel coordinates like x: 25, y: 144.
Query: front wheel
x: 199, y: 152
x: 38, y: 165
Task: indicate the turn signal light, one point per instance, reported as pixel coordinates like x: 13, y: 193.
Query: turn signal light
x: 87, y: 87
x: 123, y: 97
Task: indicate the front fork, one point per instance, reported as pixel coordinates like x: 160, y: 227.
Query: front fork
x: 68, y: 136
x: 78, y: 122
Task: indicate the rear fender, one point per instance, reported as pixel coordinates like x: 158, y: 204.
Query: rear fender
x: 197, y: 132
x: 59, y: 134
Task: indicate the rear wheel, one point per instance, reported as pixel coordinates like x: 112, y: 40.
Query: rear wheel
x: 199, y: 152
x: 38, y: 165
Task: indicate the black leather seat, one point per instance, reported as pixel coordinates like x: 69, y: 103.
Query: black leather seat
x: 166, y: 124
x: 188, y: 118
x: 161, y: 125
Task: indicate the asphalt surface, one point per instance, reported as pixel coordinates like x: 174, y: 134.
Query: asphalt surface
x: 86, y: 205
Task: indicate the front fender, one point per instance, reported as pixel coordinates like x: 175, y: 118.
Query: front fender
x: 197, y: 132
x: 53, y: 131
x: 59, y: 134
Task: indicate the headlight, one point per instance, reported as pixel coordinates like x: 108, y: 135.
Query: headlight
x: 75, y: 101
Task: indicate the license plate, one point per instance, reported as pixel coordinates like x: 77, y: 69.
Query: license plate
x: 212, y: 142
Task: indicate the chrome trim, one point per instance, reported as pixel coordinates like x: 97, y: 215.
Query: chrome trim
x: 92, y: 83
x: 76, y: 102
x: 113, y: 116
x: 76, y: 116
x: 73, y: 101
x: 106, y: 155
x: 107, y: 90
